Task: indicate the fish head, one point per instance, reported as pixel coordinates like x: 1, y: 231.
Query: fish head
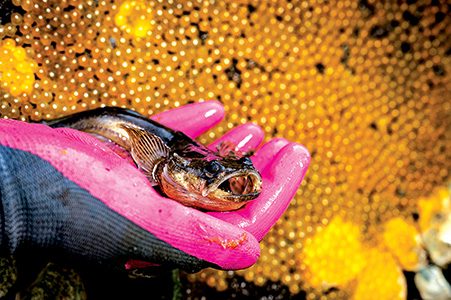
x: 211, y: 182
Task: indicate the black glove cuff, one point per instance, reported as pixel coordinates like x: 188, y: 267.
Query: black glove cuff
x: 9, y: 205
x: 3, y: 241
x: 27, y: 216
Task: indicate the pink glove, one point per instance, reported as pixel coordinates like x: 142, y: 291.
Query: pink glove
x: 223, y: 240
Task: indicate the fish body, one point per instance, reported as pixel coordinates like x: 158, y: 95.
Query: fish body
x: 183, y: 169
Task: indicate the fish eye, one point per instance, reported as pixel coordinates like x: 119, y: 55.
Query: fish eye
x: 213, y: 167
x: 246, y: 161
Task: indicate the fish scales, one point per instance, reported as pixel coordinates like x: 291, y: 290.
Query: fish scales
x: 184, y: 170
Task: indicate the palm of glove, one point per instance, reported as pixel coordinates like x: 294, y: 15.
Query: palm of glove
x: 99, y: 206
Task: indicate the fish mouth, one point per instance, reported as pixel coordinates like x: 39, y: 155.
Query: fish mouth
x: 237, y: 186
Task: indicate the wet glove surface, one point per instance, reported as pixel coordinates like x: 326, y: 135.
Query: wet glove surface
x: 63, y: 189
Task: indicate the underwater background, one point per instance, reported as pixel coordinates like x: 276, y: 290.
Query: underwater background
x: 364, y: 85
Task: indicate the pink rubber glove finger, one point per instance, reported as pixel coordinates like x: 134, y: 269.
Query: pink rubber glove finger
x: 192, y: 119
x: 267, y: 152
x: 281, y: 179
x: 261, y: 214
x: 245, y: 137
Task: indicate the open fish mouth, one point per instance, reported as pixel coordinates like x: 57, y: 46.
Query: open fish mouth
x: 237, y: 186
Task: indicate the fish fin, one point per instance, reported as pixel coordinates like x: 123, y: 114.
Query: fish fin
x: 147, y: 150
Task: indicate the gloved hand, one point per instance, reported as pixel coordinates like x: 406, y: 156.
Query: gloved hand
x: 63, y: 189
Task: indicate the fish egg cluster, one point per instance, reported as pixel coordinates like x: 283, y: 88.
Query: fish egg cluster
x: 364, y: 85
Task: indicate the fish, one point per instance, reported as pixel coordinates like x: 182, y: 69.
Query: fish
x: 176, y: 165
